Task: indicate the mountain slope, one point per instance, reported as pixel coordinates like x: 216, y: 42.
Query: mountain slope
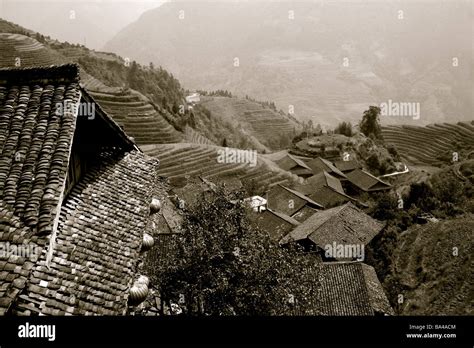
x: 433, y: 265
x: 432, y: 144
x: 269, y: 127
x: 255, y: 48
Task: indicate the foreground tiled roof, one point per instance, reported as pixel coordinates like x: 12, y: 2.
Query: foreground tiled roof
x: 35, y: 144
x: 346, y: 224
x: 366, y: 181
x: 35, y: 140
x: 97, y: 242
x: 351, y: 288
x: 15, y: 269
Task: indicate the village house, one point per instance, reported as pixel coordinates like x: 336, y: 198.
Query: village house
x: 320, y: 164
x: 326, y: 190
x: 319, y: 180
x: 289, y: 202
x: 294, y: 165
x: 193, y: 98
x: 329, y: 198
x: 352, y: 288
x: 362, y: 181
x: 346, y: 227
x: 79, y: 189
x: 347, y: 166
x: 277, y: 225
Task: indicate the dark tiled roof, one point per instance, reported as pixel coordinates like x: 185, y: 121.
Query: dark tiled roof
x: 302, y: 196
x: 275, y: 224
x: 35, y: 140
x: 192, y: 190
x: 319, y: 180
x: 319, y: 164
x: 344, y: 225
x: 377, y: 296
x: 347, y: 166
x: 15, y: 268
x: 366, y: 181
x: 304, y: 213
x: 97, y: 242
x: 97, y: 231
x: 284, y: 217
x: 351, y: 288
x: 289, y: 162
x: 329, y: 197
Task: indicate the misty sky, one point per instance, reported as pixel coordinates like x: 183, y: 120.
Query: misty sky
x: 90, y: 22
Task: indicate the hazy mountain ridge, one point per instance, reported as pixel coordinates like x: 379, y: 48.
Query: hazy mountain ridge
x: 86, y: 22
x: 299, y: 62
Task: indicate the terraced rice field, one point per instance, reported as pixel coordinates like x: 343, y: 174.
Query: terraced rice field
x: 422, y: 145
x: 95, y: 85
x: 73, y: 53
x: 138, y: 117
x: 9, y: 27
x: 434, y: 280
x: 262, y: 123
x: 201, y: 160
x: 21, y: 51
x: 192, y: 136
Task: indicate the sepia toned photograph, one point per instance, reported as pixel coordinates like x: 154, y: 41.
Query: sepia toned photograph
x: 264, y: 158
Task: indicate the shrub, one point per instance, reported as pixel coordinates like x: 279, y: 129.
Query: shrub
x: 344, y: 128
x: 221, y: 265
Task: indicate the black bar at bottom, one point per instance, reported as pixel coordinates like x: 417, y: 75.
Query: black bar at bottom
x: 231, y: 330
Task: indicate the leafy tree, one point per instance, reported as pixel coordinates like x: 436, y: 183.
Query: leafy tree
x: 223, y: 265
x: 370, y: 124
x: 373, y: 163
x: 386, y: 207
x: 344, y: 128
x: 392, y: 150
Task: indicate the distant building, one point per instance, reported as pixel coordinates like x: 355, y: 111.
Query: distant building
x: 347, y: 166
x: 193, y: 98
x: 257, y: 203
x: 277, y: 225
x: 319, y: 164
x: 366, y: 182
x: 294, y: 165
x: 319, y: 180
x: 326, y: 190
x: 346, y: 225
x: 329, y: 197
x: 287, y: 201
x: 304, y: 213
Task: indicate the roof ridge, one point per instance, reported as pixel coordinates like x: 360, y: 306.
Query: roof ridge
x: 64, y: 73
x: 337, y: 210
x: 299, y: 162
x: 302, y: 196
x: 372, y: 176
x: 285, y: 217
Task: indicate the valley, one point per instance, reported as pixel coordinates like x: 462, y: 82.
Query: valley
x: 191, y: 164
